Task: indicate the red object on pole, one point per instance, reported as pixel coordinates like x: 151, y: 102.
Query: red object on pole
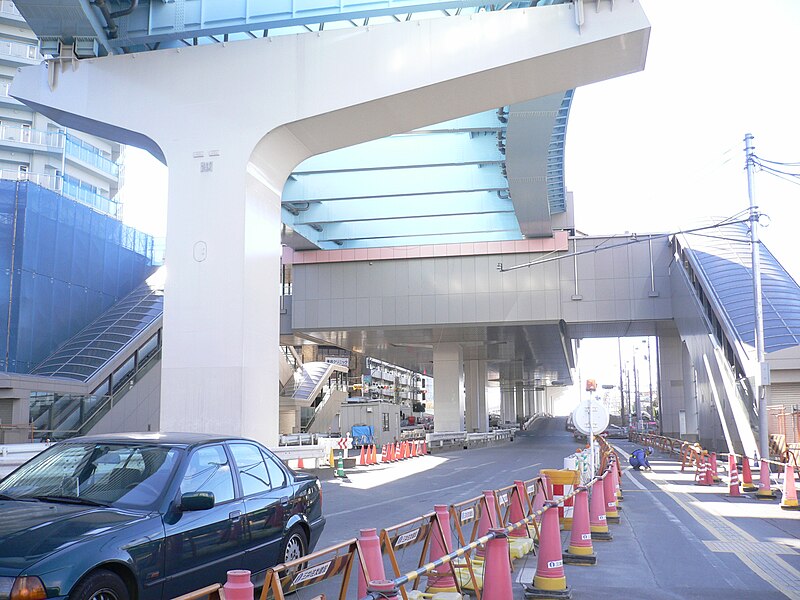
x: 370, y: 547
x: 238, y: 586
x: 497, y: 568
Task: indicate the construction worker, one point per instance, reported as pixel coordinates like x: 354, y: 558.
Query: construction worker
x: 638, y: 458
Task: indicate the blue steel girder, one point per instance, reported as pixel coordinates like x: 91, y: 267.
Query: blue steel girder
x: 152, y: 23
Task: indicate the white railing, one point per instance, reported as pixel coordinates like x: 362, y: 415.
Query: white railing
x: 315, y: 453
x: 51, y: 182
x: 26, y: 135
x: 9, y: 8
x: 18, y: 50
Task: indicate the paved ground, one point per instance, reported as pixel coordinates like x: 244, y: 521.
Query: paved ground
x: 675, y: 539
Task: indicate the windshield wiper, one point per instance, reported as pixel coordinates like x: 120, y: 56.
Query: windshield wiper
x: 69, y: 500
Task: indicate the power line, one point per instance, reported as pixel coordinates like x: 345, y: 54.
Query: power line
x: 635, y: 240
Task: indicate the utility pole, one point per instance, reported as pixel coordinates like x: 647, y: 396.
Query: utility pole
x: 762, y: 374
x: 636, y: 397
x: 622, y: 412
x: 650, y: 379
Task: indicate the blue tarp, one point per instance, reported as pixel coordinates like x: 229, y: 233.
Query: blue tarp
x: 362, y: 434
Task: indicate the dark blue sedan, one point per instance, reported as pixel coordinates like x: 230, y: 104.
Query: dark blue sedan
x: 150, y: 516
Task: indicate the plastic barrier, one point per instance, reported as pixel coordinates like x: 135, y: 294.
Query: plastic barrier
x: 312, y: 569
x: 429, y: 529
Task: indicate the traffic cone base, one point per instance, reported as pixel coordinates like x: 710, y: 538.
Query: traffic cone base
x: 571, y: 558
x: 532, y: 591
x: 613, y: 519
x: 601, y: 536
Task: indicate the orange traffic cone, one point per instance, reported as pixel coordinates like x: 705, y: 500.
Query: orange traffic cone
x: 747, y: 476
x: 361, y: 460
x: 734, y: 476
x: 549, y: 581
x: 789, y: 499
x: 714, y: 471
x: 765, y: 491
x: 374, y: 455
x: 425, y: 446
x: 580, y: 550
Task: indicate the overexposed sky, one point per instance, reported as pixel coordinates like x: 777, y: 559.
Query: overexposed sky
x: 660, y: 149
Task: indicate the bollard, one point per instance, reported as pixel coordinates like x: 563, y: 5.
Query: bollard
x: 370, y: 547
x: 597, y: 513
x: 238, y: 586
x: 442, y: 579
x: 497, y: 569
x: 387, y: 589
x: 765, y: 491
x: 340, y: 468
x: 580, y: 550
x: 549, y: 581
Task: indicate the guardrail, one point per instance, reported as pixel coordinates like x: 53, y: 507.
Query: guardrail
x: 466, y: 440
x: 315, y: 453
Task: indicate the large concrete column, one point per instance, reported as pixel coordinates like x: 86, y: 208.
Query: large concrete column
x: 475, y: 390
x: 448, y: 386
x: 671, y: 382
x: 507, y: 407
x: 231, y: 145
x: 519, y: 402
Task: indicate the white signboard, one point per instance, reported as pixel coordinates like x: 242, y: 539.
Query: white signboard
x: 591, y: 417
x: 342, y: 361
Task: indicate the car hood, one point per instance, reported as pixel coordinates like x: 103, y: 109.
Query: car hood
x: 29, y: 531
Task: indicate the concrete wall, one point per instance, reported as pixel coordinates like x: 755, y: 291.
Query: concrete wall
x: 613, y: 285
x: 139, y: 409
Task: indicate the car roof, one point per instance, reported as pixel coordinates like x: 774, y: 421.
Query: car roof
x: 185, y: 439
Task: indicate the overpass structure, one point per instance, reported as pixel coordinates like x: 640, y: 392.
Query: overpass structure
x: 392, y: 244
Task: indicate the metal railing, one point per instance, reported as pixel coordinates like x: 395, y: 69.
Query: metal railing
x: 51, y: 182
x: 27, y: 135
x: 75, y: 149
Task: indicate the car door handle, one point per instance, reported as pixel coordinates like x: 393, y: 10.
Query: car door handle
x: 235, y: 515
x: 285, y: 500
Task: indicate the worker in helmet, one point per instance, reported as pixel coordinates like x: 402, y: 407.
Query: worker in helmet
x: 638, y: 458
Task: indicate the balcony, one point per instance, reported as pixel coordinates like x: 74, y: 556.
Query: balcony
x: 51, y: 182
x: 26, y: 136
x: 90, y: 198
x: 91, y: 157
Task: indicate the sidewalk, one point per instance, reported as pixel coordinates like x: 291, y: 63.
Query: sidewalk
x: 680, y: 540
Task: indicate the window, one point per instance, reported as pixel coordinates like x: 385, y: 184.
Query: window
x: 252, y: 470
x: 276, y: 473
x: 209, y: 471
x: 385, y: 421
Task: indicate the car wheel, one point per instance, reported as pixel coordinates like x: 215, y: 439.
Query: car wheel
x: 100, y: 585
x: 294, y: 545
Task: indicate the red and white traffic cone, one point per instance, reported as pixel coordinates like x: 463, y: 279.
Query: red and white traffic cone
x: 765, y: 491
x: 733, y: 474
x: 549, y: 581
x: 703, y: 474
x: 789, y: 499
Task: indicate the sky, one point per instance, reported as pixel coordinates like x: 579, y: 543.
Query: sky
x: 660, y: 149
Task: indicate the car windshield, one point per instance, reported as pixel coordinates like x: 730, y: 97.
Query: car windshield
x: 120, y: 475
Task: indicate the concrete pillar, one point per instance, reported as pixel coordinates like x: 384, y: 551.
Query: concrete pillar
x: 671, y: 384
x: 448, y: 378
x: 530, y: 401
x: 519, y: 401
x: 507, y: 407
x: 475, y: 390
x: 274, y: 102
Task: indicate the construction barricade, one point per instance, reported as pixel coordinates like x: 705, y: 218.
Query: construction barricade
x: 562, y: 481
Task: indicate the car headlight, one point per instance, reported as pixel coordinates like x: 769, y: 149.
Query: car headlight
x: 22, y: 588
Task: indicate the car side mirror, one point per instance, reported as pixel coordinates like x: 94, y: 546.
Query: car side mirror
x: 191, y: 501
